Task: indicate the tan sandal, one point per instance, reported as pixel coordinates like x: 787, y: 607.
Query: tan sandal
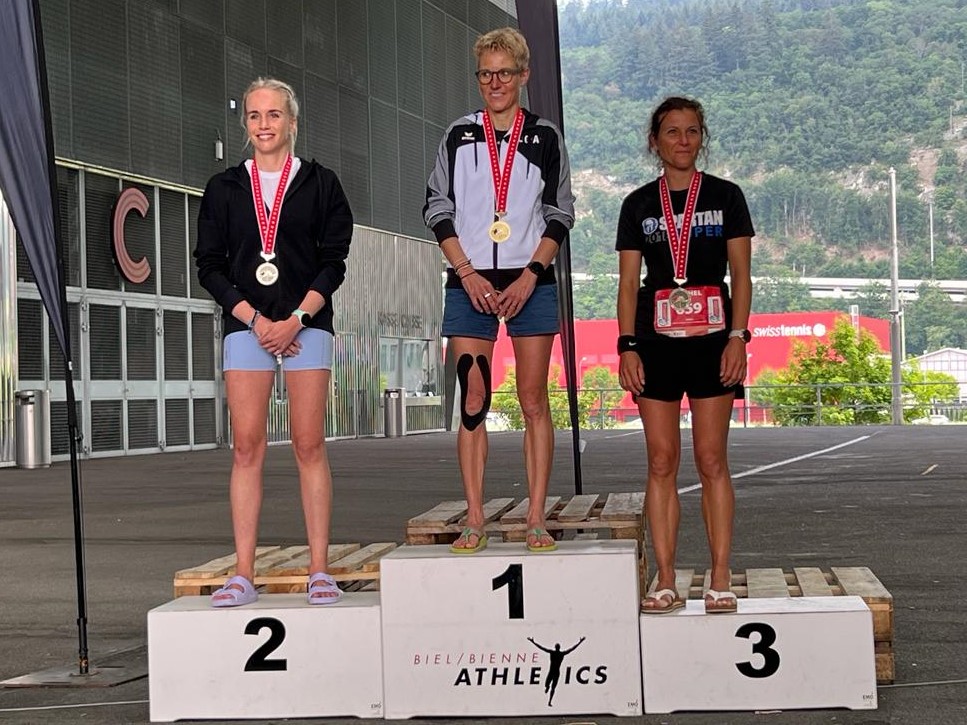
x: 724, y: 602
x: 660, y: 596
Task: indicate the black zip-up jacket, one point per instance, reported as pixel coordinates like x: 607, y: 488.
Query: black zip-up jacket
x: 312, y: 243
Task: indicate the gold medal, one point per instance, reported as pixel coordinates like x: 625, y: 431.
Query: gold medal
x: 499, y: 231
x: 267, y: 274
x: 679, y: 300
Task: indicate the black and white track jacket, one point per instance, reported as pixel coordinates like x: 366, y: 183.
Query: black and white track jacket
x: 460, y: 192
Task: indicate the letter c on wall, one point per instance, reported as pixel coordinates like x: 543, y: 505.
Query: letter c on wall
x: 134, y: 272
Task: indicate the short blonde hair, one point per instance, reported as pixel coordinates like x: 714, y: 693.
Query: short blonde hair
x: 508, y: 40
x: 291, y: 102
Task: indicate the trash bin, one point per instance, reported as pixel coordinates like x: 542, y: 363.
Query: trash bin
x: 33, y: 428
x: 394, y: 412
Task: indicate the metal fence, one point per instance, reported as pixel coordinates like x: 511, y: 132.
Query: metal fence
x: 817, y: 404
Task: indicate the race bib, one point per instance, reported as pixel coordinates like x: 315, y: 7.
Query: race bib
x: 689, y: 311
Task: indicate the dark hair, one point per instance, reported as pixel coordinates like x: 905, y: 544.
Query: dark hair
x: 678, y: 103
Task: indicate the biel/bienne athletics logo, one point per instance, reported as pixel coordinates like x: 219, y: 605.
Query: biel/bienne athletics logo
x: 540, y: 665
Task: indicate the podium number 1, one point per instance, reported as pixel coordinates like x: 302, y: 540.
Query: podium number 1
x: 513, y: 578
x: 763, y: 648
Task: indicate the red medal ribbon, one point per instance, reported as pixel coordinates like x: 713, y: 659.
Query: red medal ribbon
x: 502, y: 180
x: 269, y: 227
x: 679, y: 240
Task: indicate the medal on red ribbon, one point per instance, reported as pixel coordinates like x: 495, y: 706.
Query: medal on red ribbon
x: 679, y: 240
x: 500, y: 230
x: 267, y: 273
x: 685, y: 311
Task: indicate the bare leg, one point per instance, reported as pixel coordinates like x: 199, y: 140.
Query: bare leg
x: 248, y: 405
x: 664, y: 447
x: 308, y: 393
x: 472, y: 445
x: 710, y: 433
x: 533, y: 355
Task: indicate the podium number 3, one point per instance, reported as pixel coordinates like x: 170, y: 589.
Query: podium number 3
x: 513, y: 578
x: 770, y: 658
x: 259, y: 661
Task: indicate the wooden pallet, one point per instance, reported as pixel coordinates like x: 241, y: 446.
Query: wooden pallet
x: 619, y: 515
x: 282, y: 569
x: 810, y: 582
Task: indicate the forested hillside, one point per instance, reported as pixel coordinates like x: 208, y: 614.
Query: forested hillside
x: 809, y: 103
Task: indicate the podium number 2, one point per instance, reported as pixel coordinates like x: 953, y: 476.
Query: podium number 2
x: 767, y: 638
x: 259, y: 661
x: 513, y: 578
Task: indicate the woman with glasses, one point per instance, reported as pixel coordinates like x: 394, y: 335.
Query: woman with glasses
x: 683, y: 332
x: 499, y: 203
x: 273, y: 237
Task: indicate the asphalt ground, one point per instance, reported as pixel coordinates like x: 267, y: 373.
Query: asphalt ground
x: 890, y: 498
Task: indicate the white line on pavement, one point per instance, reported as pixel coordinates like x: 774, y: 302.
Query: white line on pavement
x: 75, y: 706
x: 760, y: 469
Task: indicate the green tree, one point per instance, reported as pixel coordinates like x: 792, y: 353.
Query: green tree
x: 607, y: 393
x: 596, y: 298
x: 781, y: 294
x: 927, y: 388
x: 846, y: 381
x: 933, y: 321
x: 506, y: 404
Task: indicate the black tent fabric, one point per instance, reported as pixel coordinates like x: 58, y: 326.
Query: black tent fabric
x: 25, y: 164
x: 28, y: 183
x: 537, y: 20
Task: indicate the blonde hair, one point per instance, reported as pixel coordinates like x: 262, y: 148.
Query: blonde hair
x: 291, y: 103
x: 507, y: 40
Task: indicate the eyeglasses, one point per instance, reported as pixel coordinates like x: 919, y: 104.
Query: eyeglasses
x: 505, y: 75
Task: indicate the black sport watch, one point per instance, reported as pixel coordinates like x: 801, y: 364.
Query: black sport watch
x: 537, y: 268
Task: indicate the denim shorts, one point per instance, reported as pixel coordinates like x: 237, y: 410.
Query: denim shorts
x: 241, y: 351
x: 539, y: 316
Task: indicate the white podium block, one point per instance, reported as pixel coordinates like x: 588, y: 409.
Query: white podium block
x: 798, y: 652
x: 507, y: 632
x: 277, y: 658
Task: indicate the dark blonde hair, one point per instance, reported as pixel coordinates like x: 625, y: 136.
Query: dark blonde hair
x: 291, y: 102
x: 508, y: 40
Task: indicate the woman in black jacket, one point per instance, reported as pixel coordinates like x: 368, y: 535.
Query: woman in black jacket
x: 273, y: 237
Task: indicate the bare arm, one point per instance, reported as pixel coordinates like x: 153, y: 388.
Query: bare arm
x: 733, y: 365
x: 631, y: 373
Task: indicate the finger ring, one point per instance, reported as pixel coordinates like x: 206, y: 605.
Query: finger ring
x: 486, y: 295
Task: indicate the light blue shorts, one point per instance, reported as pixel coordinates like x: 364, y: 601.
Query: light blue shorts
x: 243, y: 352
x: 538, y: 317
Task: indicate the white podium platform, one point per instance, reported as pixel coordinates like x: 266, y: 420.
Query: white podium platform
x: 508, y: 632
x: 277, y: 658
x: 797, y: 652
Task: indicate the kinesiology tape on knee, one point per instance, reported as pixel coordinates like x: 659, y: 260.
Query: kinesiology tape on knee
x: 464, y: 365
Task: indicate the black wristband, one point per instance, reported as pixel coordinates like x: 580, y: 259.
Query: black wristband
x: 627, y: 343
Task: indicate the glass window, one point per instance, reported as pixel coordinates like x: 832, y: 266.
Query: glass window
x: 405, y: 363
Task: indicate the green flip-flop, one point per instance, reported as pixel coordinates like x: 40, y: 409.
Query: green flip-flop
x: 467, y: 532
x: 539, y: 532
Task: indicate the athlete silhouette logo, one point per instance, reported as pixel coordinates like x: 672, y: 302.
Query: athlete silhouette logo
x: 557, y: 656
